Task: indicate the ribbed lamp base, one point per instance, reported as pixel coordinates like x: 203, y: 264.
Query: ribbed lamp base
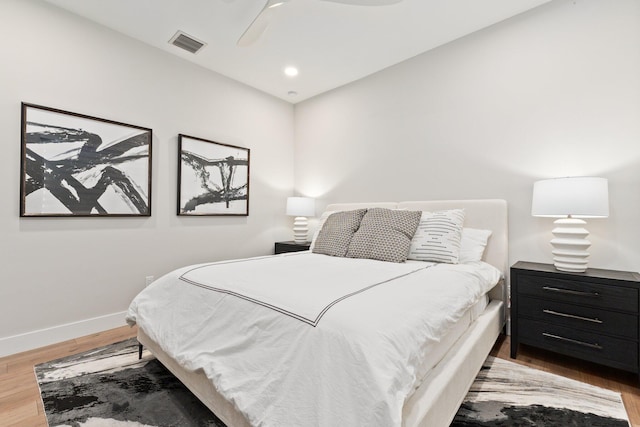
x: 570, y: 245
x: 300, y: 229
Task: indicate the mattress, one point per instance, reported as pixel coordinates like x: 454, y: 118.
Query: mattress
x: 436, y: 351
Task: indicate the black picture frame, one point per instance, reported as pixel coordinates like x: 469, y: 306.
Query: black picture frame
x: 74, y: 165
x: 213, y: 178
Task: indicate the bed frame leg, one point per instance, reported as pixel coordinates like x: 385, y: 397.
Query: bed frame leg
x: 139, y: 351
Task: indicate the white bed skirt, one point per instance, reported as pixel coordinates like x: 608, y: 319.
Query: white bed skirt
x: 433, y: 404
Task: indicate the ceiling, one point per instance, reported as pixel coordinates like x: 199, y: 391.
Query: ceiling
x: 331, y: 44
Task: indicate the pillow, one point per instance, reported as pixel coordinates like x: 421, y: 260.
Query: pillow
x: 472, y: 244
x: 321, y: 222
x: 384, y: 235
x: 438, y: 237
x: 337, y: 231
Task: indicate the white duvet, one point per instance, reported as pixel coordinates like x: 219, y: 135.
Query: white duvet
x: 346, y: 356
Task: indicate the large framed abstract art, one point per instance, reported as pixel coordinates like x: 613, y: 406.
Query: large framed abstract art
x: 213, y: 178
x: 78, y: 165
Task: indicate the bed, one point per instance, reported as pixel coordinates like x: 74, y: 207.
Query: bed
x: 333, y: 371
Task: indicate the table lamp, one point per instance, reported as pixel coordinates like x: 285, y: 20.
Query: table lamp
x: 570, y: 199
x: 300, y: 208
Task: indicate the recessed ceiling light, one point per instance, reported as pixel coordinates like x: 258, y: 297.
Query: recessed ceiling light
x: 291, y: 71
x: 292, y: 93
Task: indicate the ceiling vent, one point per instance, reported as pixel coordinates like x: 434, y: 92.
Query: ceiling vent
x: 186, y: 42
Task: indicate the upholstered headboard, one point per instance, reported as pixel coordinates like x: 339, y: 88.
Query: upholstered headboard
x: 489, y: 214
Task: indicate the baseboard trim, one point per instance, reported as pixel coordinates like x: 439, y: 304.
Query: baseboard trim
x: 43, y: 337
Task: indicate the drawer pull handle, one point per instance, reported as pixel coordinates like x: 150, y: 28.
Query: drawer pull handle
x: 571, y: 292
x: 572, y: 316
x: 569, y: 340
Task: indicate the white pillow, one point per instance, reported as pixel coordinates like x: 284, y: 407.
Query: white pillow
x: 472, y: 244
x: 438, y: 236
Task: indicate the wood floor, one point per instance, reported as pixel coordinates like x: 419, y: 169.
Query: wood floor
x: 20, y: 403
x: 623, y: 382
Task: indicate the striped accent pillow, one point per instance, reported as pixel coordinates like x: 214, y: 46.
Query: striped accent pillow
x: 336, y: 233
x: 437, y: 238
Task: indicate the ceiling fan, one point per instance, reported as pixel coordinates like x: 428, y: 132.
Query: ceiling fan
x: 261, y: 22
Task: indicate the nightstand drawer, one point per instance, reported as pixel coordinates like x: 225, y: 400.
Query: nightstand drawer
x: 577, y: 292
x: 575, y: 316
x: 610, y: 351
x: 591, y: 315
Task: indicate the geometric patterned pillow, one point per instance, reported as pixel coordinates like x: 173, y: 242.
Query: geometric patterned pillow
x: 437, y: 238
x: 321, y: 221
x: 384, y: 235
x: 335, y: 235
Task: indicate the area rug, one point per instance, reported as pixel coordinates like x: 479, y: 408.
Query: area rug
x: 508, y: 394
x: 110, y: 387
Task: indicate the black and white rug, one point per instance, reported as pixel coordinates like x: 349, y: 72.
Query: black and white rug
x: 508, y: 394
x: 110, y: 387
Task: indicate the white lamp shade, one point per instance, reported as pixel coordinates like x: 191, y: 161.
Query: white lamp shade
x: 301, y: 206
x: 579, y: 197
x: 571, y: 199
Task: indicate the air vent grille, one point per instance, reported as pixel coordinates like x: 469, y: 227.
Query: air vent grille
x: 186, y: 42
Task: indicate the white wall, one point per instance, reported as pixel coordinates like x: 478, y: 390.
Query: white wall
x: 553, y: 92
x: 65, y: 277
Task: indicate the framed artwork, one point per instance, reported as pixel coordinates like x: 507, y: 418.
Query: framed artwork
x: 213, y: 178
x: 77, y: 165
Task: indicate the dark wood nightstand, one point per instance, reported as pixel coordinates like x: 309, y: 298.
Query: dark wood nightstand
x: 291, y: 246
x: 591, y: 316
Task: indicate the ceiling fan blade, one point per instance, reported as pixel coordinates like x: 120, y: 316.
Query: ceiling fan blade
x: 259, y: 24
x: 366, y: 2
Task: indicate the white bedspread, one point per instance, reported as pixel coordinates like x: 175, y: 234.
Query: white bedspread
x: 357, y: 365
x: 291, y: 289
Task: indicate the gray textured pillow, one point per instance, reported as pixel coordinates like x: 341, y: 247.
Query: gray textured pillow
x: 336, y: 233
x: 384, y: 235
x: 438, y: 237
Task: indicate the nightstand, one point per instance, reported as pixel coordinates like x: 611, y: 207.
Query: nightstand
x: 291, y: 246
x: 591, y: 316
